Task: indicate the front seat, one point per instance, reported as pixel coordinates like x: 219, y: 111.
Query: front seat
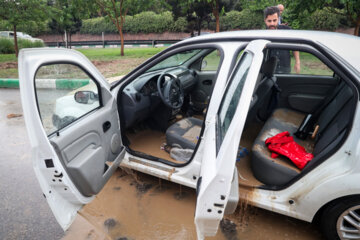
x: 184, y: 133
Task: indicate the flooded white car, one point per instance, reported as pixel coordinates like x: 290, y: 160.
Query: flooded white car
x: 198, y: 114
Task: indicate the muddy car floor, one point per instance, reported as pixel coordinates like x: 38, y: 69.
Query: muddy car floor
x: 150, y: 142
x: 137, y: 206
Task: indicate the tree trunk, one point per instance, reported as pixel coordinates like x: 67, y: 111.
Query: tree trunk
x: 217, y: 15
x: 16, y: 43
x: 122, y: 41
x: 122, y: 19
x: 357, y: 27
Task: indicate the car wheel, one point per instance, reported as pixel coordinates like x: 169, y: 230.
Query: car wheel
x: 341, y: 220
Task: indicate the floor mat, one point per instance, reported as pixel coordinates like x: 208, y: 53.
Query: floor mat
x: 149, y: 142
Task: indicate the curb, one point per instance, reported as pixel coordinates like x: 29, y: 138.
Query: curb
x: 9, y: 83
x: 48, y: 83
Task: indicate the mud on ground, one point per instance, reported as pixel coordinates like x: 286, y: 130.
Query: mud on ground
x: 138, y: 206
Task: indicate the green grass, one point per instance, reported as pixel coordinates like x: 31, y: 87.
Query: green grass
x: 9, y: 73
x: 108, y: 54
x: 135, y: 56
x: 8, y: 58
x: 310, y: 65
x: 96, y: 54
x: 103, y: 54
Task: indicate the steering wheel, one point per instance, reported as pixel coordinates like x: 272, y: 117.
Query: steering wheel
x: 170, y: 91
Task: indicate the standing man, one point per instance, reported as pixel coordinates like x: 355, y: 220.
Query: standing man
x: 281, y: 9
x: 271, y: 19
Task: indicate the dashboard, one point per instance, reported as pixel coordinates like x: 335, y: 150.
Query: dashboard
x: 140, y: 97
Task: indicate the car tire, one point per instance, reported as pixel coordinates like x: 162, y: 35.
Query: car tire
x: 340, y: 217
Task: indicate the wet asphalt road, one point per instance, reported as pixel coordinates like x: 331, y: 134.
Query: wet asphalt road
x: 24, y: 213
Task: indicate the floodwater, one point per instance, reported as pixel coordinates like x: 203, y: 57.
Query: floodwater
x: 137, y: 206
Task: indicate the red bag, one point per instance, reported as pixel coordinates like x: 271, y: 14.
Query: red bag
x: 284, y: 144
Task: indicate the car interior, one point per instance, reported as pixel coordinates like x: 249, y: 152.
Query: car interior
x: 328, y: 101
x: 164, y: 108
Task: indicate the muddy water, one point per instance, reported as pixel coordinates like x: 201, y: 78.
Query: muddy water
x: 137, y: 206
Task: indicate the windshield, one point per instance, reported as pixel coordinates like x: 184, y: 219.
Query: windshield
x: 175, y: 60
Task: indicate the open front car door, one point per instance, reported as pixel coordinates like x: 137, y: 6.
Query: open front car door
x: 73, y: 124
x: 218, y: 183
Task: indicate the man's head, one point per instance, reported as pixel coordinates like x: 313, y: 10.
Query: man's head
x: 271, y: 17
x: 281, y: 8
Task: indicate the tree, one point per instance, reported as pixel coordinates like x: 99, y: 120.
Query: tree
x: 16, y: 12
x: 218, y: 7
x: 194, y: 11
x: 116, y: 11
x: 67, y: 16
x: 348, y: 8
x: 215, y: 6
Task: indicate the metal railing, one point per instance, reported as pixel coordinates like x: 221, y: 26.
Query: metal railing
x: 112, y: 42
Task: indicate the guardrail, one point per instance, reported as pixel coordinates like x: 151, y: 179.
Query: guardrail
x: 112, y: 42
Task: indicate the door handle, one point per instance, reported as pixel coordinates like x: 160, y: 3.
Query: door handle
x: 207, y: 82
x: 106, y: 126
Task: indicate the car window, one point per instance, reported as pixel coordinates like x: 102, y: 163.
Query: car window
x: 211, y: 61
x: 64, y: 94
x: 232, y: 95
x: 309, y: 64
x: 175, y: 60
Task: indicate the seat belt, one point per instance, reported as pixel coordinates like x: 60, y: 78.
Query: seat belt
x: 274, y: 98
x: 307, y: 125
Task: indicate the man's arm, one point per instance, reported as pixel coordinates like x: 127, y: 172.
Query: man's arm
x: 297, y: 62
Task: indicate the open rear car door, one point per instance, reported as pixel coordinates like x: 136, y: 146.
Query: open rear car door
x: 73, y: 124
x: 217, y: 190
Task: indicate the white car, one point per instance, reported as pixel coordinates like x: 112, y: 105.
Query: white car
x: 10, y: 34
x: 205, y: 100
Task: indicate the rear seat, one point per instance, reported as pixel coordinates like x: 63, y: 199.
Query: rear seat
x: 333, y: 122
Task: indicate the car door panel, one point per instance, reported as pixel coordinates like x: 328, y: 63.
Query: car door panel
x: 203, y: 89
x: 217, y: 191
x: 85, y: 152
x: 73, y: 162
x: 304, y: 92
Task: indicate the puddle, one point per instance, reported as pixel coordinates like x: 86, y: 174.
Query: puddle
x: 138, y: 206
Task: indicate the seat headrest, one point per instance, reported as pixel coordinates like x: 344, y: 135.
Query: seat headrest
x: 268, y: 67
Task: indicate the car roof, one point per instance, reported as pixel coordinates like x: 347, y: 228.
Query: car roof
x: 345, y: 45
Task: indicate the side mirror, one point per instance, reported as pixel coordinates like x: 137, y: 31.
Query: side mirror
x: 86, y: 97
x: 203, y: 64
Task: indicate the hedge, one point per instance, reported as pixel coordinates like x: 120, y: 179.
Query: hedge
x: 323, y: 19
x: 246, y: 19
x: 150, y: 22
x: 145, y: 22
x: 7, y: 45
